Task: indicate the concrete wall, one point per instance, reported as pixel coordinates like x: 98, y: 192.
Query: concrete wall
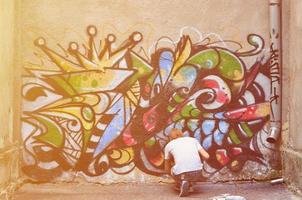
x: 10, y: 100
x: 108, y: 125
x: 292, y: 101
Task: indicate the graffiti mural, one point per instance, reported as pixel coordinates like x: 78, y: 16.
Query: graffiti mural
x: 104, y: 107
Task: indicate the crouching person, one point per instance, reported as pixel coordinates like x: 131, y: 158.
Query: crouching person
x: 183, y: 160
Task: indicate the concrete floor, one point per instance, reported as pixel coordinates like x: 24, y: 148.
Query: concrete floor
x: 133, y: 191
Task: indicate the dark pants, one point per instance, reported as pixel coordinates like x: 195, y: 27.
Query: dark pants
x: 193, y: 176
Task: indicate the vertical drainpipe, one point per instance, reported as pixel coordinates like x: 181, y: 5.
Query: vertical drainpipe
x: 275, y: 70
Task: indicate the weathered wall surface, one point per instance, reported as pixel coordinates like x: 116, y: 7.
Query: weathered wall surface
x: 292, y: 101
x: 9, y: 106
x: 105, y: 81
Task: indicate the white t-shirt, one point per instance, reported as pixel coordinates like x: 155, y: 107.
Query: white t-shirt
x: 185, y: 153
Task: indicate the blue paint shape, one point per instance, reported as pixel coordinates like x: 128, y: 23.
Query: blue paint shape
x: 208, y: 126
x: 224, y: 126
x: 207, y: 142
x: 179, y: 125
x: 192, y: 124
x: 113, y: 129
x: 166, y: 61
x: 197, y: 134
x: 219, y: 115
x: 218, y: 137
x: 186, y: 134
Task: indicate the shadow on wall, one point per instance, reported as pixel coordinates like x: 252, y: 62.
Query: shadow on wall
x: 96, y: 108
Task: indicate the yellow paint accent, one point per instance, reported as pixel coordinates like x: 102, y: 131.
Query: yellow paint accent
x: 132, y: 97
x: 183, y: 56
x: 122, y: 156
x: 234, y: 163
x: 263, y: 109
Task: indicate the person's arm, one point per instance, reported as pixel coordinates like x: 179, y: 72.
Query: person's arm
x: 204, y: 154
x: 202, y: 151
